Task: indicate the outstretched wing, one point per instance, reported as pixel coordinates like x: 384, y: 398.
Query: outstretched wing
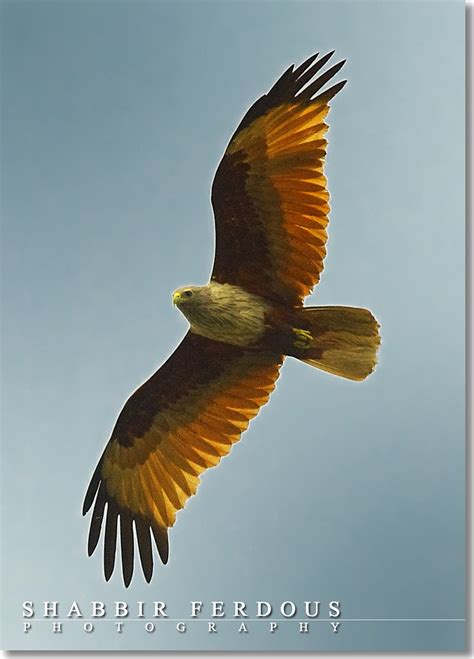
x: 174, y: 427
x: 270, y: 195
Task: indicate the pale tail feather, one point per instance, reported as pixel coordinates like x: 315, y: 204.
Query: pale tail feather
x: 344, y: 340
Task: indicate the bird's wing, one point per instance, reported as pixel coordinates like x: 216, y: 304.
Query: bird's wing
x: 270, y: 195
x: 174, y: 427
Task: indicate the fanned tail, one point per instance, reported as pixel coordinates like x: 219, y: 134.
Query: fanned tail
x: 340, y: 340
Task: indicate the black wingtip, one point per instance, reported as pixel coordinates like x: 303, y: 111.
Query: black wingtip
x: 326, y: 96
x: 309, y: 91
x: 148, y: 575
x: 90, y: 495
x: 92, y: 542
x: 324, y: 60
x: 110, y: 539
x: 93, y: 487
x: 96, y: 520
x: 126, y: 546
x: 109, y: 564
x: 283, y: 80
x: 290, y: 86
x: 286, y: 74
x: 144, y: 547
x: 108, y: 571
x: 162, y: 544
x: 302, y: 67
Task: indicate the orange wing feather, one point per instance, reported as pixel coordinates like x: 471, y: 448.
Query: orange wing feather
x: 270, y: 196
x: 182, y: 421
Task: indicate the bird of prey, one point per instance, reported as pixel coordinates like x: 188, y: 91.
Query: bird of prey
x: 271, y: 205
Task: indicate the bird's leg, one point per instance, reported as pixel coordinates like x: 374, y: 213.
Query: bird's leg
x: 303, y: 338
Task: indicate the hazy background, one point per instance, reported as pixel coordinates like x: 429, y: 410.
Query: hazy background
x: 115, y: 115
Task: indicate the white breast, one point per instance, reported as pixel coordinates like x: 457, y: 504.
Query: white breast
x: 231, y: 315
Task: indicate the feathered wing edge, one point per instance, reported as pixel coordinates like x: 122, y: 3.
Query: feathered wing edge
x: 291, y: 85
x: 115, y: 516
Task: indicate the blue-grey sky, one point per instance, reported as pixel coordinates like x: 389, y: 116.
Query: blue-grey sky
x: 114, y: 118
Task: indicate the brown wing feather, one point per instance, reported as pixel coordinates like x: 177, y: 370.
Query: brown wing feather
x: 174, y: 427
x: 269, y: 194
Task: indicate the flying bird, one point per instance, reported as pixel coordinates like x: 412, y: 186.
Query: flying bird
x: 271, y: 206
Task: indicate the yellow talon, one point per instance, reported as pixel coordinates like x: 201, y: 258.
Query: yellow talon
x: 303, y: 338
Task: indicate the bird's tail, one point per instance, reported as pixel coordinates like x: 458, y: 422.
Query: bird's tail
x: 340, y: 340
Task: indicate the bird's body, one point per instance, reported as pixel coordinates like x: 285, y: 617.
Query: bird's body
x: 232, y: 315
x: 271, y: 206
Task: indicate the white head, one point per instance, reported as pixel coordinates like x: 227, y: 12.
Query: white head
x: 222, y: 312
x: 191, y: 300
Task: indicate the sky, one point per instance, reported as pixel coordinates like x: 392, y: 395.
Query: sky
x: 114, y: 117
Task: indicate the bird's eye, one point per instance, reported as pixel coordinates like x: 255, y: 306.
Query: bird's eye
x: 187, y: 293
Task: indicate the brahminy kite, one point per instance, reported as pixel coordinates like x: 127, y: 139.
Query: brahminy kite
x: 271, y: 205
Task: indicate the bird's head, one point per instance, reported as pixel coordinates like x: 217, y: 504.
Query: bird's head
x: 190, y: 300
x: 185, y: 296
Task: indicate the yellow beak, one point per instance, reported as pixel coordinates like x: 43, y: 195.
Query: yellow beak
x: 176, y: 297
